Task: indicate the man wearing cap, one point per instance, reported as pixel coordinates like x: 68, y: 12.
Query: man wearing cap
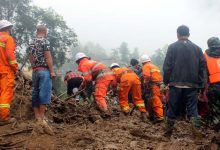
x: 42, y: 65
x: 134, y: 65
x: 212, y: 57
x: 183, y: 69
x: 8, y: 70
x: 98, y: 72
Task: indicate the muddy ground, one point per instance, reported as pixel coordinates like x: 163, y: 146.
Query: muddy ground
x: 80, y: 126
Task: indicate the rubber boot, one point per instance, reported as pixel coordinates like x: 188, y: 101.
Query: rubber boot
x: 196, y: 124
x: 158, y: 120
x: 143, y: 116
x: 169, y: 127
x: 106, y: 114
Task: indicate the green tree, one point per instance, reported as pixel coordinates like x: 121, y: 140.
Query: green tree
x: 135, y: 53
x: 95, y: 51
x: 124, y: 53
x: 25, y: 16
x: 159, y: 56
x: 115, y: 55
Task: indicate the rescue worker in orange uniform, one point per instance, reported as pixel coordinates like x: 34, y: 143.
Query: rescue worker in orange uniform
x: 152, y: 82
x: 8, y: 70
x: 129, y: 82
x: 98, y: 72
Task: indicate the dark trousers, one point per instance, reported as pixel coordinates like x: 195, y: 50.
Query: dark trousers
x: 75, y: 83
x: 214, y: 103
x: 182, y: 100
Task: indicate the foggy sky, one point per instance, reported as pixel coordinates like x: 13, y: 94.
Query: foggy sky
x: 146, y: 24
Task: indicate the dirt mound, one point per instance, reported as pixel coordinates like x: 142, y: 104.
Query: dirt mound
x: 79, y: 125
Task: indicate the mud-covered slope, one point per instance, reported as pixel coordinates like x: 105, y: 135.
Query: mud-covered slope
x: 80, y: 126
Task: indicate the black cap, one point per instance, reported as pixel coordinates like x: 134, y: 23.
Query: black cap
x: 134, y: 62
x: 213, y: 42
x: 183, y: 30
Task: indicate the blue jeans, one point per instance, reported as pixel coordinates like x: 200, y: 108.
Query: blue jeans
x: 181, y: 101
x: 42, y: 88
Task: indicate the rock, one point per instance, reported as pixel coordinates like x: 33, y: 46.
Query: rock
x: 111, y: 147
x: 133, y: 144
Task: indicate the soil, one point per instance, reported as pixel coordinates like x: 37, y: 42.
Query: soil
x: 80, y: 126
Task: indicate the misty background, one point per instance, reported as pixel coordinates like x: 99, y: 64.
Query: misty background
x: 143, y: 24
x: 108, y: 30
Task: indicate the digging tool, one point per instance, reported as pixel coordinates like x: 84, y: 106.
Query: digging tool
x: 74, y: 95
x: 77, y: 93
x: 61, y: 94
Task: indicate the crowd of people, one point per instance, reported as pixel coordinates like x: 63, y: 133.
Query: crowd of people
x: 188, y: 77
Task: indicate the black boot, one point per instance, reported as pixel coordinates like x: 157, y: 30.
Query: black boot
x: 143, y: 117
x: 196, y: 124
x: 169, y: 127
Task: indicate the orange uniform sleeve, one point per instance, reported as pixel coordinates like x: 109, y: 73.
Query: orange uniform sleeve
x: 86, y: 71
x: 10, y: 53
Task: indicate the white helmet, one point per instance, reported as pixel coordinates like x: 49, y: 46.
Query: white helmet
x: 79, y: 56
x: 114, y: 65
x: 144, y: 58
x: 5, y: 23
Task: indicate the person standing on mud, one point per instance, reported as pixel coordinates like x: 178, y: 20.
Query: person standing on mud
x: 43, y: 72
x: 184, y: 73
x: 8, y: 70
x: 212, y: 57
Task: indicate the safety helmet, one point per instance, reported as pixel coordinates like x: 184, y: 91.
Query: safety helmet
x: 113, y: 65
x: 5, y: 24
x: 79, y: 56
x: 144, y: 58
x: 213, y: 42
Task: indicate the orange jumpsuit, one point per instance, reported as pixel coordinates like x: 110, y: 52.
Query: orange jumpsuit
x: 103, y: 77
x: 152, y: 78
x: 129, y: 81
x: 8, y: 65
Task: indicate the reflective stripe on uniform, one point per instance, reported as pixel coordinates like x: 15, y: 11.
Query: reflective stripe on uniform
x: 140, y: 105
x: 104, y: 74
x: 126, y: 108
x: 2, y: 44
x: 154, y: 70
x: 85, y: 73
x: 4, y: 106
x: 127, y: 71
x: 94, y: 67
x: 12, y: 62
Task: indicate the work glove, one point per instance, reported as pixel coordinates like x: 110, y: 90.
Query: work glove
x: 163, y: 88
x: 75, y: 90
